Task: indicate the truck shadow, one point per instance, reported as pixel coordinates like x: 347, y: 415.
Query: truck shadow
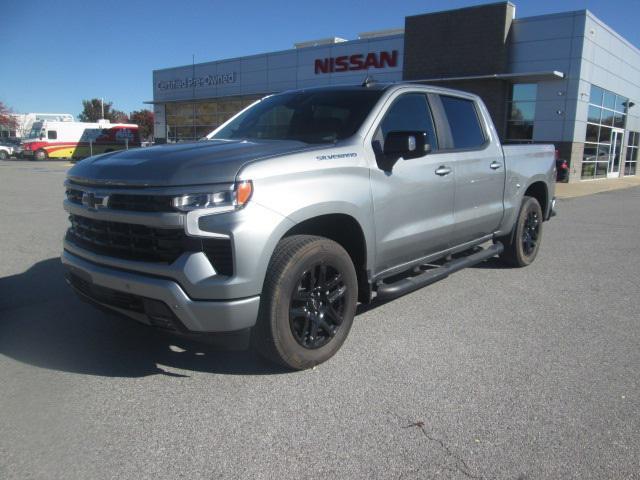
x: 43, y: 323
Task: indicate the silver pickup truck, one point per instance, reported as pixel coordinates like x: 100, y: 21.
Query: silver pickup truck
x: 301, y: 206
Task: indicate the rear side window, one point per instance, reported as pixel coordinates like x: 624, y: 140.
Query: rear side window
x: 464, y: 122
x: 409, y: 112
x: 52, y: 135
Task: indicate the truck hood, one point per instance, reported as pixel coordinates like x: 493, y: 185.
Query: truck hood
x: 197, y: 163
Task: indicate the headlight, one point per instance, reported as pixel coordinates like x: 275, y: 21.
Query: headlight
x: 225, y: 199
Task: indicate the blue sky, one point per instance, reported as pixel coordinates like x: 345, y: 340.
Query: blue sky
x: 54, y: 54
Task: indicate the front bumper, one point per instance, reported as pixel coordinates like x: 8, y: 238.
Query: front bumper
x: 193, y: 316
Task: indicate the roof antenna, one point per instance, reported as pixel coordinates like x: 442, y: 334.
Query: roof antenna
x: 368, y: 81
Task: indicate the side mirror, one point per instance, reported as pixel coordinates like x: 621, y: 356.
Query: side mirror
x: 406, y: 145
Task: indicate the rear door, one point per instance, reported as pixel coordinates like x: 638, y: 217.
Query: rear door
x: 479, y: 166
x: 412, y: 204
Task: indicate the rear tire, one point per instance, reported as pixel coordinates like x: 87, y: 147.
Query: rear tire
x: 3, y: 155
x: 308, y: 302
x: 522, y: 246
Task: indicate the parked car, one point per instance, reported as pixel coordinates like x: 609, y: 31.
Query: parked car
x: 16, y: 143
x: 5, y: 151
x: 301, y: 206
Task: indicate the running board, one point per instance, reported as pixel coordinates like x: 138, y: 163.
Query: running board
x: 387, y: 291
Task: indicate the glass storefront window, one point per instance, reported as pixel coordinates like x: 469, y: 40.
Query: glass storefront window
x: 521, y: 111
x: 524, y: 91
x: 607, y: 111
x: 203, y: 131
x: 596, y: 95
x: 609, y: 100
x: 189, y: 121
x: 618, y: 120
x: 631, y: 157
x: 605, y: 135
x: 607, y: 117
x: 595, y: 114
x: 592, y: 133
x: 601, y: 170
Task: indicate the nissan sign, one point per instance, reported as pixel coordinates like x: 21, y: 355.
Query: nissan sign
x: 358, y: 61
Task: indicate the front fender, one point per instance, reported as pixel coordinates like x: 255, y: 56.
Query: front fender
x: 255, y: 231
x: 360, y: 215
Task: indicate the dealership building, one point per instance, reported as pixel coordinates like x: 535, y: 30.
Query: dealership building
x: 565, y: 78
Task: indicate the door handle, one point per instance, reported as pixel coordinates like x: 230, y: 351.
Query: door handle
x: 495, y: 165
x: 443, y: 170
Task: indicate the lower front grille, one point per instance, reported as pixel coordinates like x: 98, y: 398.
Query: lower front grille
x: 106, y: 296
x: 146, y: 244
x: 158, y: 313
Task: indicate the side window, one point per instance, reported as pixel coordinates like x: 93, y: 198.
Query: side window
x: 52, y: 135
x: 409, y: 112
x: 463, y: 121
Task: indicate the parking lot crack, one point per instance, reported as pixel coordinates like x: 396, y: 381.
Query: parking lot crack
x: 458, y: 464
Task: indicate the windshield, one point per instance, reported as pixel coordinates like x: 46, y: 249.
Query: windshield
x: 323, y: 116
x: 36, y: 130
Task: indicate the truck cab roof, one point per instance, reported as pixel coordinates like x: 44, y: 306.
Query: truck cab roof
x: 383, y: 87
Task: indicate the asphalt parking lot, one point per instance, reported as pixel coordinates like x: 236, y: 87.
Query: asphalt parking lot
x: 493, y: 373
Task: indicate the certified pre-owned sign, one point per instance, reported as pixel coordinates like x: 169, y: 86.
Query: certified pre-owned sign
x: 358, y: 61
x: 196, y: 82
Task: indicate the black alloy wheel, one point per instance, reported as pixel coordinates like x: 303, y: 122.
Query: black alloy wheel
x: 308, y: 302
x: 317, y: 306
x: 521, y: 246
x: 530, y: 232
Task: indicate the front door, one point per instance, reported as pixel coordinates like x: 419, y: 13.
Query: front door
x: 614, y: 154
x: 413, y: 201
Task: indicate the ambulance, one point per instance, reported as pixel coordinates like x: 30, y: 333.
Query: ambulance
x: 76, y: 140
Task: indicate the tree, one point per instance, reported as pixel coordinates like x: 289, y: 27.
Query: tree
x: 144, y: 119
x: 92, y: 112
x: 7, y: 120
x: 119, y: 117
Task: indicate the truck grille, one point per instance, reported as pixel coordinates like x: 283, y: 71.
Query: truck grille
x: 141, y: 203
x: 124, y: 240
x: 129, y: 202
x: 147, y: 244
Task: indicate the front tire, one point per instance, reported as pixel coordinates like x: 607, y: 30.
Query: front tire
x: 522, y: 246
x: 308, y: 302
x: 3, y: 155
x: 40, y: 155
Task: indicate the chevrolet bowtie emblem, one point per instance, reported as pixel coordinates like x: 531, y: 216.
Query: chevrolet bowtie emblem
x: 94, y: 201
